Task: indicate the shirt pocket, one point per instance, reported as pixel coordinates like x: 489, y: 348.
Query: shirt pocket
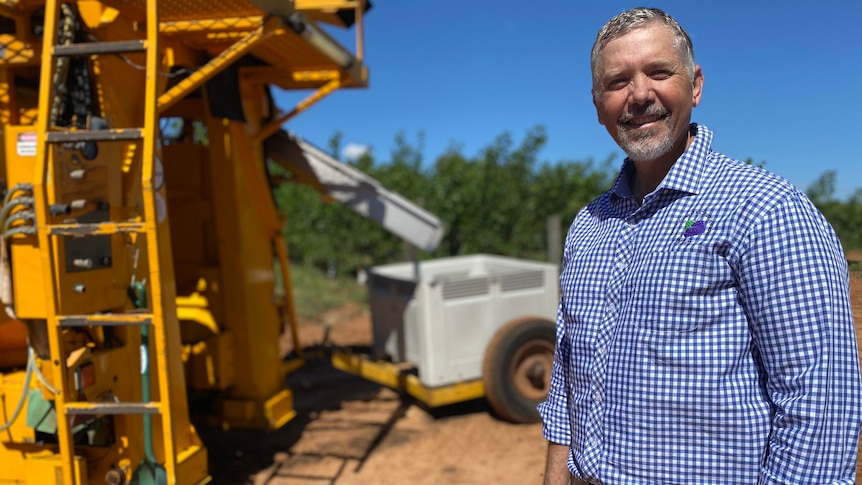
x: 680, y: 289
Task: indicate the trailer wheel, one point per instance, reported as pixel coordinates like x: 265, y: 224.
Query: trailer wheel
x: 516, y: 371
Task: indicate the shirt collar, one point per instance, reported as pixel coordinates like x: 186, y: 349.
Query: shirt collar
x: 685, y: 173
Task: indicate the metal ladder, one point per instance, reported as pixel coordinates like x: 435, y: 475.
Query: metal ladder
x: 151, y: 320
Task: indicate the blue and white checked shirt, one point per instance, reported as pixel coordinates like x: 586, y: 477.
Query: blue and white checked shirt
x: 706, y: 336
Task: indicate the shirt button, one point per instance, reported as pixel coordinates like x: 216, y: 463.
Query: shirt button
x: 597, y: 397
x: 602, y: 351
x: 621, y: 265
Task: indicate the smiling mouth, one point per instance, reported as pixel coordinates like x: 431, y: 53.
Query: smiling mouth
x: 641, y: 120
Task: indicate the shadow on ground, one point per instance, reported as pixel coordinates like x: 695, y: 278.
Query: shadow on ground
x: 341, y: 420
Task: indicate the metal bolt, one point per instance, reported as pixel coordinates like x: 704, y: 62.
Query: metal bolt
x: 79, y: 288
x: 115, y: 477
x: 59, y: 209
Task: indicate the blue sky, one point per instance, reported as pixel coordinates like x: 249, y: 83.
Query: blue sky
x: 783, y: 80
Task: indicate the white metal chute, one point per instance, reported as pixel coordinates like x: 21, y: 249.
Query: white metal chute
x: 355, y: 189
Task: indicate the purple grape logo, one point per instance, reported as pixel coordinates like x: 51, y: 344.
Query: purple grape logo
x: 694, y: 227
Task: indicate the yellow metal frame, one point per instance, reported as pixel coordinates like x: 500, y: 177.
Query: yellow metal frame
x: 245, y: 229
x: 272, y: 127
x: 176, y: 34
x: 289, y: 305
x: 167, y: 371
x: 217, y: 64
x: 211, y: 26
x: 41, y: 186
x: 392, y: 376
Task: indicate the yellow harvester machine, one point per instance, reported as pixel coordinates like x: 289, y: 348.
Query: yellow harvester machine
x: 136, y: 264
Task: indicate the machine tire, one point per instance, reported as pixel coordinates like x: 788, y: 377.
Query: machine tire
x: 516, y: 371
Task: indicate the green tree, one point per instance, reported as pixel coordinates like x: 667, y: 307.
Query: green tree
x: 495, y: 202
x: 845, y: 217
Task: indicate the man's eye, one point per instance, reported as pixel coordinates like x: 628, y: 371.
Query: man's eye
x: 660, y: 74
x: 617, y: 83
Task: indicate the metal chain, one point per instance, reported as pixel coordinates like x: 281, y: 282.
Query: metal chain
x: 73, y: 97
x: 61, y: 70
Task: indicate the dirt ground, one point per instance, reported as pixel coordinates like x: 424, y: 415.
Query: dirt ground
x: 349, y: 431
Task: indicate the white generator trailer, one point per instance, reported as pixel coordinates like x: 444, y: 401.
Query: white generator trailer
x: 454, y: 329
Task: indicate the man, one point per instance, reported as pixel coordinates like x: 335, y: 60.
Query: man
x: 704, y: 332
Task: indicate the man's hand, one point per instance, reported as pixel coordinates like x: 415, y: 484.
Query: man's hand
x: 556, y: 471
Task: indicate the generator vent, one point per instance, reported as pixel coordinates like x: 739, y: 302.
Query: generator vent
x: 465, y: 288
x: 523, y: 281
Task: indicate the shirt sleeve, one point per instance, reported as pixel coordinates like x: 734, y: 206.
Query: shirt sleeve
x: 794, y: 284
x: 555, y: 410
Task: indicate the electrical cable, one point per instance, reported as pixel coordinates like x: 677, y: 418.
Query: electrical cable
x: 39, y: 372
x: 32, y: 368
x: 24, y: 390
x: 26, y: 230
x: 18, y: 201
x: 170, y: 75
x: 25, y: 215
x: 19, y: 187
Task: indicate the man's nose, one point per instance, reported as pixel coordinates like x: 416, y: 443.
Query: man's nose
x: 640, y: 90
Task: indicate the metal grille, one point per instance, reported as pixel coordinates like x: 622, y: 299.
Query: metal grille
x: 193, y: 9
x: 465, y: 288
x: 522, y: 281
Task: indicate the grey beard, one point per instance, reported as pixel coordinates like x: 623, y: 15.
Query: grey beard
x: 645, y: 147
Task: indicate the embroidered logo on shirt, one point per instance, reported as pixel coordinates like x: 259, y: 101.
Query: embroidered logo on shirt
x: 695, y: 226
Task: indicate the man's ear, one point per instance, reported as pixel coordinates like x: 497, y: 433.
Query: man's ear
x: 596, y: 105
x: 696, y: 86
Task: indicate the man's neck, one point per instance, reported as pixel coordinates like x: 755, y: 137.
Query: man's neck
x: 649, y: 173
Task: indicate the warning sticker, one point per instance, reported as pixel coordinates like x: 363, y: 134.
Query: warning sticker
x: 26, y: 145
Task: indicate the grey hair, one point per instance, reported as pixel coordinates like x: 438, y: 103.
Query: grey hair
x: 636, y: 18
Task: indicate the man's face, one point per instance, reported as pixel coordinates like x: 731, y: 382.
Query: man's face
x: 644, y: 95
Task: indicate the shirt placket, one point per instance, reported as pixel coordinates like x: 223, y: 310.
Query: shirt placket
x: 604, y: 338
